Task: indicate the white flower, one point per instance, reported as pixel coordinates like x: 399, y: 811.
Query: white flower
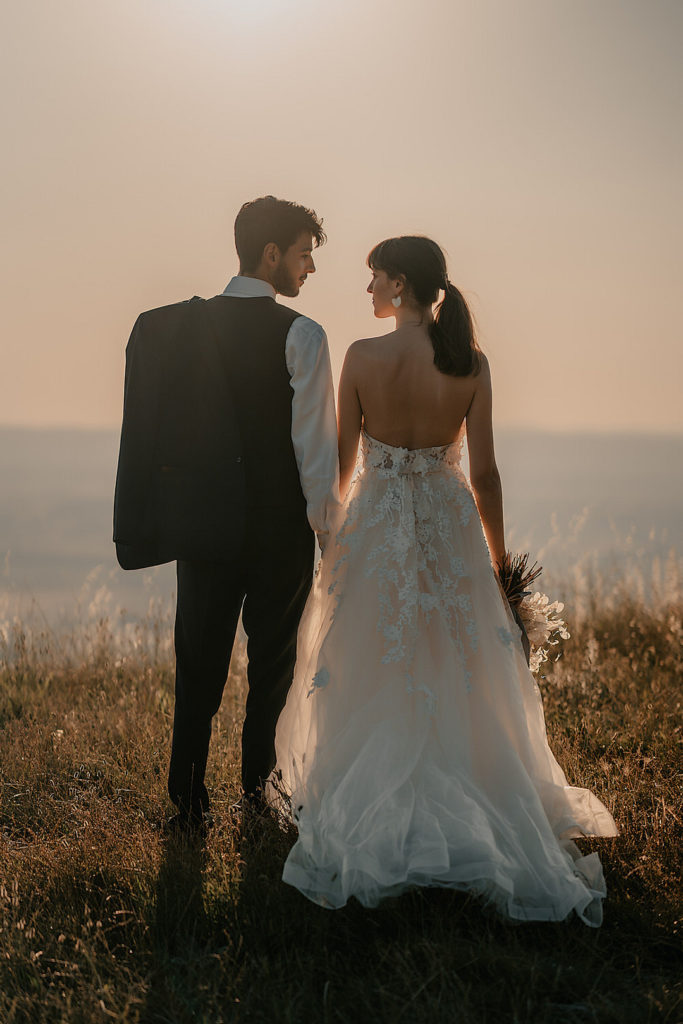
x: 543, y: 625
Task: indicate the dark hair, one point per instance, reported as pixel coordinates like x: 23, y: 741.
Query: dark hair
x: 272, y: 220
x: 423, y: 264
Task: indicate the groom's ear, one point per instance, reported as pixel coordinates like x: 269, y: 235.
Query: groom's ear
x: 271, y: 254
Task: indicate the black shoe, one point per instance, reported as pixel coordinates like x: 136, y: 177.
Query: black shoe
x: 188, y: 826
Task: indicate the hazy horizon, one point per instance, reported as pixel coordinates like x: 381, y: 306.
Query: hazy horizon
x: 571, y: 500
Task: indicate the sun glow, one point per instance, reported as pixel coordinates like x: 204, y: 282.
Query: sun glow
x: 262, y: 12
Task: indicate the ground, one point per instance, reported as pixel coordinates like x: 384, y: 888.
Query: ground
x: 102, y: 918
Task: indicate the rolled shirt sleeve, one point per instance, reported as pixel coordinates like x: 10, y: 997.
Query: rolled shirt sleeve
x: 314, y: 422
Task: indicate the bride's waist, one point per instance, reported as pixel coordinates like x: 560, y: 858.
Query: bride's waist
x: 415, y: 468
x: 388, y: 460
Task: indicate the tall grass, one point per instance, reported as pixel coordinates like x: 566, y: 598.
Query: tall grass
x: 104, y: 919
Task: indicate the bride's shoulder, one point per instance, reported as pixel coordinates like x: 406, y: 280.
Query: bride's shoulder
x: 484, y: 369
x: 359, y: 359
x: 365, y: 349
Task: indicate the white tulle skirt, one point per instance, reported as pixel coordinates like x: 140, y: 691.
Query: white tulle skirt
x: 412, y: 748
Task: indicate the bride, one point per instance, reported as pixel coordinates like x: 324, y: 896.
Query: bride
x: 412, y: 748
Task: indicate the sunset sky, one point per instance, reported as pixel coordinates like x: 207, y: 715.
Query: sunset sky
x: 539, y: 141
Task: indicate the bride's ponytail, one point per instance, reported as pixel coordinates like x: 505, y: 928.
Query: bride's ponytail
x: 456, y: 351
x: 423, y: 265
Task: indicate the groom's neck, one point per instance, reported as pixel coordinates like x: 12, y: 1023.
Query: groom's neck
x: 257, y: 275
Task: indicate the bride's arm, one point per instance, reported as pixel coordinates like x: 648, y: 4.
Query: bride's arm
x: 349, y: 420
x: 484, y: 475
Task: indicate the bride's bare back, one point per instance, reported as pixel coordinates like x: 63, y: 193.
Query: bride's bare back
x: 391, y: 387
x: 405, y: 400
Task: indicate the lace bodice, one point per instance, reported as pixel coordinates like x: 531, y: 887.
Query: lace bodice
x: 390, y: 460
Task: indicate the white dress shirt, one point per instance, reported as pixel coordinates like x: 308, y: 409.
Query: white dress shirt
x: 314, y: 421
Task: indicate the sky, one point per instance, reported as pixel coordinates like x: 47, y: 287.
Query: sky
x: 540, y: 142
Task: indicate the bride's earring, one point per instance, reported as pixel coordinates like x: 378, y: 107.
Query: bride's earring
x: 396, y: 301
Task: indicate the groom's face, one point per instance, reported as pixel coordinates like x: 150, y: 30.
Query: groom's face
x: 295, y: 264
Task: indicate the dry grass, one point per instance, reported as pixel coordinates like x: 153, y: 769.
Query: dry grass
x: 101, y: 919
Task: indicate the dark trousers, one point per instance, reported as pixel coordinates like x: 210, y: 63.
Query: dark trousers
x: 269, y: 581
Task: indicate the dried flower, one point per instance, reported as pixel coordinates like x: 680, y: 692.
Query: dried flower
x: 515, y: 578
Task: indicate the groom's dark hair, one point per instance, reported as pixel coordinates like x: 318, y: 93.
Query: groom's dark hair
x: 272, y: 220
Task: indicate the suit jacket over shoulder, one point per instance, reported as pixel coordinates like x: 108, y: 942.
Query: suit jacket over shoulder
x: 206, y: 430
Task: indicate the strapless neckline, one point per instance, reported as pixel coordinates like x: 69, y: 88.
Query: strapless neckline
x: 413, y: 451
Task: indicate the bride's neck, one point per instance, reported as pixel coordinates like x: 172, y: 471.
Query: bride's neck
x: 413, y: 316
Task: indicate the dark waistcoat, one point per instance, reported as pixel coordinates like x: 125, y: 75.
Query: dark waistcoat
x: 250, y: 336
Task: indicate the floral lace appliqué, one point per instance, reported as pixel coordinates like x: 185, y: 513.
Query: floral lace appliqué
x: 320, y: 680
x: 506, y: 637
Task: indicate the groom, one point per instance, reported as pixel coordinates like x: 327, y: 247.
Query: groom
x: 227, y: 465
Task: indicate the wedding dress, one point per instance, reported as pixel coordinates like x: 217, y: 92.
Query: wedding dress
x: 412, y: 746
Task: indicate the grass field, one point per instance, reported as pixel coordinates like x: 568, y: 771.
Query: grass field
x: 103, y: 919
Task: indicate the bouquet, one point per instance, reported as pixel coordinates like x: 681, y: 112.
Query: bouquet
x: 538, y: 617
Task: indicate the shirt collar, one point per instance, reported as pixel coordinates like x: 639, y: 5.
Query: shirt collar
x: 249, y: 288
